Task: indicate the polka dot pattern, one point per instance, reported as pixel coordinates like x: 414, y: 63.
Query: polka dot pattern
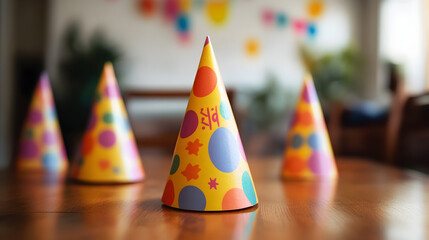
x: 192, y: 198
x: 225, y: 110
x: 209, y: 170
x: 223, y: 150
x: 189, y: 125
x: 309, y: 153
x: 168, y: 196
x: 107, y: 138
x: 175, y: 165
x: 205, y: 82
x: 109, y: 151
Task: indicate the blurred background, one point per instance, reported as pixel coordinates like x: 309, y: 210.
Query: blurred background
x: 368, y: 59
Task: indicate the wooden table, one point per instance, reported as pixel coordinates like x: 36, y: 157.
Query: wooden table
x: 369, y: 201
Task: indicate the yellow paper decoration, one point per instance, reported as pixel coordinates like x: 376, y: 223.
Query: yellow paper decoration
x: 308, y: 152
x: 315, y: 8
x: 217, y: 11
x: 109, y: 153
x: 209, y: 171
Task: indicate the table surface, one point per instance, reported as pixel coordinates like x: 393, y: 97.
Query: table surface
x: 368, y: 201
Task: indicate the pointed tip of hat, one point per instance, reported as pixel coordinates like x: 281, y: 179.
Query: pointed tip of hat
x: 108, y: 65
x: 308, y: 77
x: 207, y: 40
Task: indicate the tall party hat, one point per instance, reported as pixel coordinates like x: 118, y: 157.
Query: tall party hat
x: 41, y: 146
x: 308, y: 152
x: 109, y: 153
x: 209, y: 170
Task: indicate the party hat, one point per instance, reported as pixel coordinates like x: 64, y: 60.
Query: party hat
x: 109, y: 153
x: 308, y: 152
x: 41, y: 146
x: 209, y: 170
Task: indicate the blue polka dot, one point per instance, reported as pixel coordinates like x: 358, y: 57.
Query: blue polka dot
x: 51, y: 161
x: 192, y: 198
x: 312, y: 29
x: 223, y: 150
x: 282, y: 20
x: 52, y: 114
x: 315, y: 141
x: 225, y: 110
x: 248, y: 188
x: 297, y: 141
x: 116, y: 170
x: 182, y: 23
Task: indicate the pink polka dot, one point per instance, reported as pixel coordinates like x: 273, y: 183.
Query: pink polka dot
x: 189, y: 125
x: 306, y: 95
x: 320, y: 163
x: 49, y: 137
x: 130, y: 149
x: 92, y: 122
x: 107, y: 138
x: 112, y: 91
x: 35, y: 116
x: 240, y: 146
x: 44, y: 82
x: 29, y: 149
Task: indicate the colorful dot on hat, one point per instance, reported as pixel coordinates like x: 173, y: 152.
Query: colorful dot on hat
x: 223, y: 150
x: 189, y: 125
x: 248, y: 188
x: 51, y: 161
x: 225, y: 110
x: 175, y: 165
x: 35, y: 116
x: 205, y: 82
x: 29, y: 149
x: 168, y: 196
x: 240, y: 146
x: 112, y: 91
x: 295, y: 164
x: 192, y: 198
x: 320, y: 163
x: 235, y: 199
x: 315, y: 141
x: 108, y: 118
x: 88, y: 144
x: 297, y: 141
x: 107, y: 138
x: 49, y: 137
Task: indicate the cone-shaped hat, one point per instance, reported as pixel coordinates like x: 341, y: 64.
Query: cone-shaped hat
x: 308, y: 151
x: 209, y: 171
x: 109, y: 153
x: 41, y: 146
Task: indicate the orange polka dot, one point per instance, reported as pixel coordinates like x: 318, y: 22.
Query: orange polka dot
x: 168, y: 196
x: 235, y: 199
x: 294, y: 164
x: 205, y: 82
x: 88, y: 144
x: 304, y: 118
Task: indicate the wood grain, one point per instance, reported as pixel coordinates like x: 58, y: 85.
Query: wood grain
x: 368, y: 201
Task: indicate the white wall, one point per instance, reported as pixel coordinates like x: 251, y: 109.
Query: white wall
x: 403, y: 39
x: 153, y: 58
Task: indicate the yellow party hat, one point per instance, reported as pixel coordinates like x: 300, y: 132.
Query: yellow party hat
x: 41, y: 145
x: 109, y: 153
x: 209, y: 170
x: 308, y: 152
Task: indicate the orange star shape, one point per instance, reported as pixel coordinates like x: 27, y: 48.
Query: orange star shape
x: 191, y: 172
x: 194, y: 147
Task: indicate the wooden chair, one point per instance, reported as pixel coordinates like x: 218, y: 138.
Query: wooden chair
x: 159, y: 133
x: 412, y: 147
